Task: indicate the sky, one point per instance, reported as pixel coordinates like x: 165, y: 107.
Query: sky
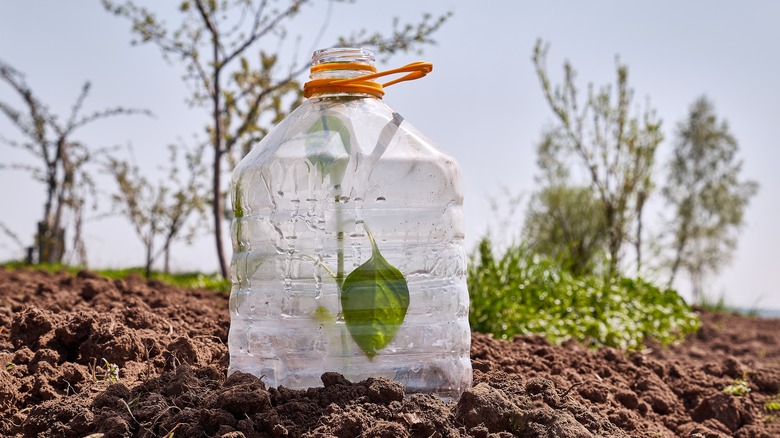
x: 482, y: 104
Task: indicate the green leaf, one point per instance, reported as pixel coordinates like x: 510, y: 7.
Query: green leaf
x: 323, y: 316
x: 374, y: 300
x: 328, y: 147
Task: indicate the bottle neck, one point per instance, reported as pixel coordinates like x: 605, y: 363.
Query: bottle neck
x: 331, y: 65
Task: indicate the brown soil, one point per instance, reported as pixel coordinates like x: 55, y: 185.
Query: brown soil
x: 83, y: 354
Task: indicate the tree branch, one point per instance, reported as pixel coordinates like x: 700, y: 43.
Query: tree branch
x: 253, y: 109
x: 258, y: 33
x: 77, y: 106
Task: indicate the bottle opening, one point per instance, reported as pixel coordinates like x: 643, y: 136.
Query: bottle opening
x: 346, y: 70
x: 351, y: 55
x: 329, y: 66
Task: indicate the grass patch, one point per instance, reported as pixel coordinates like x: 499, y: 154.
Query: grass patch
x: 719, y: 306
x: 192, y: 280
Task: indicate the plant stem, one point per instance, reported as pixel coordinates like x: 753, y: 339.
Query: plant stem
x: 339, y: 240
x: 340, y: 257
x: 340, y: 261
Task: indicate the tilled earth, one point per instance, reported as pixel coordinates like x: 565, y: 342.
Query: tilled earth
x: 87, y: 356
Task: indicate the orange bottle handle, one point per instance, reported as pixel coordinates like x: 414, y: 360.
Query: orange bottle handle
x: 364, y: 83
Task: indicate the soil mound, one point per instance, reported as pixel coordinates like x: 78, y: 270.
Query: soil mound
x: 85, y: 355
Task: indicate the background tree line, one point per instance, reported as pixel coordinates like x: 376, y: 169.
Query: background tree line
x: 229, y: 54
x: 597, y: 164
x: 598, y: 171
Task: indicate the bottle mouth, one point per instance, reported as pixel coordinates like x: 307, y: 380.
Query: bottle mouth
x: 348, y: 70
x: 351, y: 55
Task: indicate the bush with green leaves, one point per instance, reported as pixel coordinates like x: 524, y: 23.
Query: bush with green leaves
x: 521, y: 293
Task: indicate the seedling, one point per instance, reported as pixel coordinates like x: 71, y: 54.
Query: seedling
x: 772, y: 408
x: 374, y: 301
x: 111, y: 374
x: 375, y: 296
x: 738, y: 388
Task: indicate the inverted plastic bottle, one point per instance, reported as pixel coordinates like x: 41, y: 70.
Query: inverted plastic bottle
x: 348, y: 243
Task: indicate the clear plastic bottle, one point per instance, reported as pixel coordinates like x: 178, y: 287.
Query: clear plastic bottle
x: 342, y: 177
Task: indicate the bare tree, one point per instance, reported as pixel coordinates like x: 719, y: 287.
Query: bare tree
x: 615, y: 150
x: 709, y: 198
x: 62, y: 163
x: 161, y: 212
x: 244, y: 95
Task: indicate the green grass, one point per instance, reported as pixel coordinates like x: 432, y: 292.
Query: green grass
x: 522, y: 294
x: 719, y: 305
x: 195, y: 280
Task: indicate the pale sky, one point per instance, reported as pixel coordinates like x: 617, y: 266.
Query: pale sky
x: 482, y: 104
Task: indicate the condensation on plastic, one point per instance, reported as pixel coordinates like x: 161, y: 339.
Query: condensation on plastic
x: 342, y: 163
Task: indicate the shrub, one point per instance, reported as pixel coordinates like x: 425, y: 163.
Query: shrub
x: 522, y: 293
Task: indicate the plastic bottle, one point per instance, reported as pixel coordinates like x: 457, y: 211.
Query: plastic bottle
x: 335, y: 203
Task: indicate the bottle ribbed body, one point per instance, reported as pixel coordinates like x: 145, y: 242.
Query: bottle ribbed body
x: 338, y: 171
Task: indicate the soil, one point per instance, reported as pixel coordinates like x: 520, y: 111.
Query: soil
x: 83, y: 355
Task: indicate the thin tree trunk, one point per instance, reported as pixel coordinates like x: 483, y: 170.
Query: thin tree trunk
x: 639, y: 210
x: 696, y: 287
x: 44, y: 226
x: 56, y: 247
x: 216, y: 211
x: 217, y: 206
x: 148, y: 271
x: 682, y: 242
x: 676, y: 264
x: 41, y: 238
x: 614, y: 240
x: 78, y: 242
x: 56, y: 231
x: 167, y: 251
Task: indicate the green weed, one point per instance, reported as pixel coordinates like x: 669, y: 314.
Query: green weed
x: 521, y: 293
x: 738, y: 388
x: 772, y: 409
x: 714, y: 305
x: 108, y: 371
x: 719, y: 306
